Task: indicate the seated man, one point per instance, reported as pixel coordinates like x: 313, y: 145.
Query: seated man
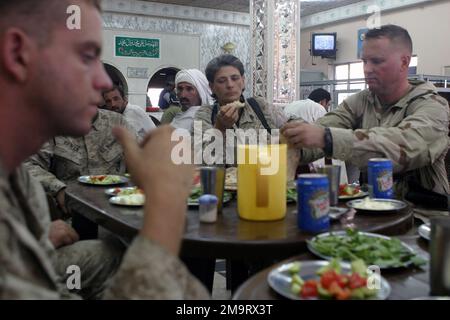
x: 230, y: 110
x: 64, y: 159
x: 116, y: 100
x: 192, y: 92
x: 164, y: 96
x: 173, y: 109
x: 405, y: 121
x: 311, y: 109
x: 37, y: 46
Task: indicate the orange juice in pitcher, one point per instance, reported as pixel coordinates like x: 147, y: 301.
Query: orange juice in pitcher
x: 261, y: 182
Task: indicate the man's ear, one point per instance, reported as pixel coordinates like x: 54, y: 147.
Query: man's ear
x: 406, y: 60
x: 16, y: 53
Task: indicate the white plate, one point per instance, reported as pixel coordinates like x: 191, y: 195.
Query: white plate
x: 279, y: 279
x: 424, y: 231
x: 394, y: 205
x: 337, y: 212
x: 134, y: 200
x: 117, y: 191
x: 360, y: 194
x: 344, y: 234
x: 115, y: 180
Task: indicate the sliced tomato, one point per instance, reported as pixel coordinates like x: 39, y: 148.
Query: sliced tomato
x: 328, y: 278
x: 356, y: 281
x: 342, y: 280
x: 344, y: 294
x: 309, y: 289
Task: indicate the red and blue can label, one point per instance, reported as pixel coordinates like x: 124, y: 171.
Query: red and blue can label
x: 380, y: 180
x: 313, y: 203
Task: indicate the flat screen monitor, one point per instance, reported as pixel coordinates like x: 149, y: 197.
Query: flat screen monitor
x: 324, y: 45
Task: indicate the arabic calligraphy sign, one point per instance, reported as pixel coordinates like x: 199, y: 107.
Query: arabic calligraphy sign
x: 137, y: 47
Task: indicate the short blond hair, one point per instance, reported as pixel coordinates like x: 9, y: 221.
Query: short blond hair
x: 37, y: 17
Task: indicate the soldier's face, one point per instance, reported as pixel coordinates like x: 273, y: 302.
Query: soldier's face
x: 67, y: 76
x: 385, y: 65
x: 188, y: 95
x: 114, y: 101
x: 228, y: 85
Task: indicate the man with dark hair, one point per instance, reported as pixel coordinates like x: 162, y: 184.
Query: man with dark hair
x: 311, y: 109
x: 321, y: 96
x: 117, y: 101
x: 164, y: 96
x: 405, y: 121
x: 231, y: 110
x: 32, y: 51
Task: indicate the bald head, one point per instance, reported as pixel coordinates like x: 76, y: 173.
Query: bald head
x: 37, y: 18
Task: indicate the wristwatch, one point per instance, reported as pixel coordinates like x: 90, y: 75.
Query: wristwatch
x: 328, y: 149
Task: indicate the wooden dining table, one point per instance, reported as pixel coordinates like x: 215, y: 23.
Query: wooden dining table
x: 405, y: 282
x: 255, y: 243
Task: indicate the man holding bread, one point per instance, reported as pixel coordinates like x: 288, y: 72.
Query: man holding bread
x: 231, y: 110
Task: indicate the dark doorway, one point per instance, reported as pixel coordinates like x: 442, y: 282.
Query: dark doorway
x: 116, y: 77
x: 158, y: 81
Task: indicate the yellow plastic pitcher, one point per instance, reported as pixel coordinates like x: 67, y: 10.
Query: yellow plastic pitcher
x: 261, y: 182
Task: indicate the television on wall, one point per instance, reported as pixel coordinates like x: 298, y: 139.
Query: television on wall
x: 323, y: 45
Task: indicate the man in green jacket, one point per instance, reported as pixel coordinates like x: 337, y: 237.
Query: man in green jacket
x: 405, y: 121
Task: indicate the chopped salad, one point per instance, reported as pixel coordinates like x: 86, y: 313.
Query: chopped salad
x: 380, y: 251
x: 332, y: 283
x: 104, y: 179
x: 349, y: 189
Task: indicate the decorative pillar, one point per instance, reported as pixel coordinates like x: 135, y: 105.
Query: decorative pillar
x: 275, y: 52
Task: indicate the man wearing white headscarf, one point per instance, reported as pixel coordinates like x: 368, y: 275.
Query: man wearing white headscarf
x: 193, y: 92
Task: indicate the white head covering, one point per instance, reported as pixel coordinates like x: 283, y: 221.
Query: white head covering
x: 199, y: 81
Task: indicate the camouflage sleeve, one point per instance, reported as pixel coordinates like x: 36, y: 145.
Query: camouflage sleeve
x: 274, y: 114
x: 206, y: 137
x: 39, y: 167
x: 18, y: 277
x: 418, y: 140
x: 150, y: 272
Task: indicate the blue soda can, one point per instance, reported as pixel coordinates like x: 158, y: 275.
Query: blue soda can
x: 313, y: 203
x: 379, y: 175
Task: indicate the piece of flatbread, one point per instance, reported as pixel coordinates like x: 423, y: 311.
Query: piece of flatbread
x: 238, y: 104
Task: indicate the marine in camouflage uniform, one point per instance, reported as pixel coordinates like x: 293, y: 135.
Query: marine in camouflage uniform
x: 64, y: 159
x: 413, y: 133
x: 27, y: 256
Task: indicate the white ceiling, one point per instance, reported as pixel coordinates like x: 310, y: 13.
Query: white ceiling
x: 307, y: 7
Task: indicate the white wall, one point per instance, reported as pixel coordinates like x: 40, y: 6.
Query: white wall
x: 428, y: 25
x: 177, y: 50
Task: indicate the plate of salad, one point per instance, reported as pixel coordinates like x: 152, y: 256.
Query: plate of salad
x: 351, y: 191
x: 131, y: 200
x: 123, y: 191
x: 103, y: 179
x: 373, y: 249
x: 300, y: 280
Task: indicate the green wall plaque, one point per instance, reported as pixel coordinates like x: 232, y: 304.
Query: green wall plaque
x: 137, y: 47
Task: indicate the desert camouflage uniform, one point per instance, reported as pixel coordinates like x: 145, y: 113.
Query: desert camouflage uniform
x: 64, y: 159
x: 27, y: 257
x: 248, y: 120
x: 413, y: 133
